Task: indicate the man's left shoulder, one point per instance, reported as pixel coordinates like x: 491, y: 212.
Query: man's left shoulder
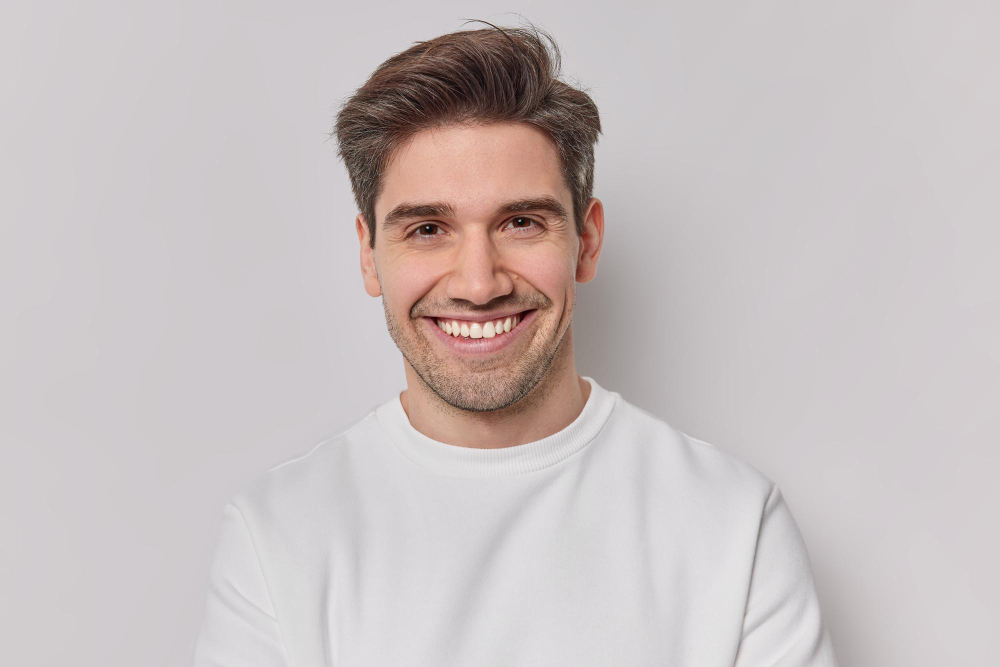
x: 686, y: 461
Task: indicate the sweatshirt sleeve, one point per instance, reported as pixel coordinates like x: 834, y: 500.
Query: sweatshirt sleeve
x: 239, y: 627
x: 782, y: 624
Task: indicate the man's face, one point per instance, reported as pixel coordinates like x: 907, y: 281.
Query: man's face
x: 475, y: 226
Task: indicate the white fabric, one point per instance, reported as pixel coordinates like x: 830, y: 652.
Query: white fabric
x: 616, y: 541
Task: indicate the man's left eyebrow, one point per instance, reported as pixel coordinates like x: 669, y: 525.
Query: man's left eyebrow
x: 548, y: 204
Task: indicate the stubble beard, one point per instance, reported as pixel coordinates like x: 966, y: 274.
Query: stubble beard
x: 482, y: 385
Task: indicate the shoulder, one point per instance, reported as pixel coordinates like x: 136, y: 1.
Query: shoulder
x: 687, y: 462
x: 306, y: 480
x: 709, y: 501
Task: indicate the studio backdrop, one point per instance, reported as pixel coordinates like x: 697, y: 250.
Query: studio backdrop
x: 799, y: 266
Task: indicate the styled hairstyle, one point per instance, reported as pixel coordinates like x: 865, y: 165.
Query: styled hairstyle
x: 491, y: 75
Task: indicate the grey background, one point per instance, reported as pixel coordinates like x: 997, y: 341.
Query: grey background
x: 799, y: 267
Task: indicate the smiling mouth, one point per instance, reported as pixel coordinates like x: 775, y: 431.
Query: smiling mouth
x: 471, y: 329
x: 481, y: 336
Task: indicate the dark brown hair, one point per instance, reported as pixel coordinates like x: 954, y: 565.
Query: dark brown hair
x: 473, y: 76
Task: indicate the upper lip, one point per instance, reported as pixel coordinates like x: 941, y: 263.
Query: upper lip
x: 482, y: 317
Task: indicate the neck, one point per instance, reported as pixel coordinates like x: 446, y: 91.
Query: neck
x: 549, y: 407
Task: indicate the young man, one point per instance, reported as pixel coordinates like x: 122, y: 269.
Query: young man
x: 502, y: 510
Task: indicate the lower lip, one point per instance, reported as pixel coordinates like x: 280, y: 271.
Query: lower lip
x: 480, y: 346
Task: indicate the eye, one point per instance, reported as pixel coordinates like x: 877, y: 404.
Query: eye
x: 426, y: 230
x: 522, y: 222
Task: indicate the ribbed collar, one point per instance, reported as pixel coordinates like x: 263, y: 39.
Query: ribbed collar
x: 459, y: 461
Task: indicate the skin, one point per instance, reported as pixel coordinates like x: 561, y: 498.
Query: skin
x: 473, y: 260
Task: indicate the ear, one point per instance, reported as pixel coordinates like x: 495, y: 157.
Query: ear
x: 590, y: 241
x: 367, y: 258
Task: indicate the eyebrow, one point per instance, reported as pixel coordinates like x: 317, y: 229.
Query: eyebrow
x: 405, y: 211
x: 546, y: 203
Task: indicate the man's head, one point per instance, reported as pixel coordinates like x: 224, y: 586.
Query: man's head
x: 484, y: 76
x: 472, y: 165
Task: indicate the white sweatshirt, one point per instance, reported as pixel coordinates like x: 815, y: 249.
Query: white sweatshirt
x: 618, y: 541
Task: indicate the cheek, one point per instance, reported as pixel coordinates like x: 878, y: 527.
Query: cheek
x: 548, y: 269
x: 407, y: 280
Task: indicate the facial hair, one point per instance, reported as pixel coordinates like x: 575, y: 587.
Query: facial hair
x: 477, y: 385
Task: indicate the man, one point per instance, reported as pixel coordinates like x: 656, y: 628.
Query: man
x: 502, y: 510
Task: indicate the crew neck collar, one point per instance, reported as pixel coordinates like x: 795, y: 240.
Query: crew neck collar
x: 460, y: 461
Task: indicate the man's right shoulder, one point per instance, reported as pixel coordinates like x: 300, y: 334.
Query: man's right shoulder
x: 310, y: 477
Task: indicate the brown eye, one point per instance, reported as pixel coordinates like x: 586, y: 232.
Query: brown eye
x: 521, y: 222
x: 429, y: 227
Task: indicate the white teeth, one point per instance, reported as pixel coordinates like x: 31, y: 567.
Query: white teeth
x: 478, y: 329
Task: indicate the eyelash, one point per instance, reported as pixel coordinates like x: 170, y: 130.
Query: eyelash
x: 434, y: 224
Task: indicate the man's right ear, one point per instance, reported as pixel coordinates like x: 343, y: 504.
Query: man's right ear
x: 367, y: 258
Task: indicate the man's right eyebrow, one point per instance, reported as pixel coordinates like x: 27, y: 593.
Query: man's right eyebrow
x: 404, y: 212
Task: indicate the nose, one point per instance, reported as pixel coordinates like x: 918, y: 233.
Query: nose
x: 477, y: 274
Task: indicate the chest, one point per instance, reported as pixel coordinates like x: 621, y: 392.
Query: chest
x: 546, y: 580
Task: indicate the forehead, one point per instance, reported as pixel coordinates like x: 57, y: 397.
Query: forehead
x: 473, y: 167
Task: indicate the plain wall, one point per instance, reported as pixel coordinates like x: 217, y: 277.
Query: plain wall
x: 800, y: 267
